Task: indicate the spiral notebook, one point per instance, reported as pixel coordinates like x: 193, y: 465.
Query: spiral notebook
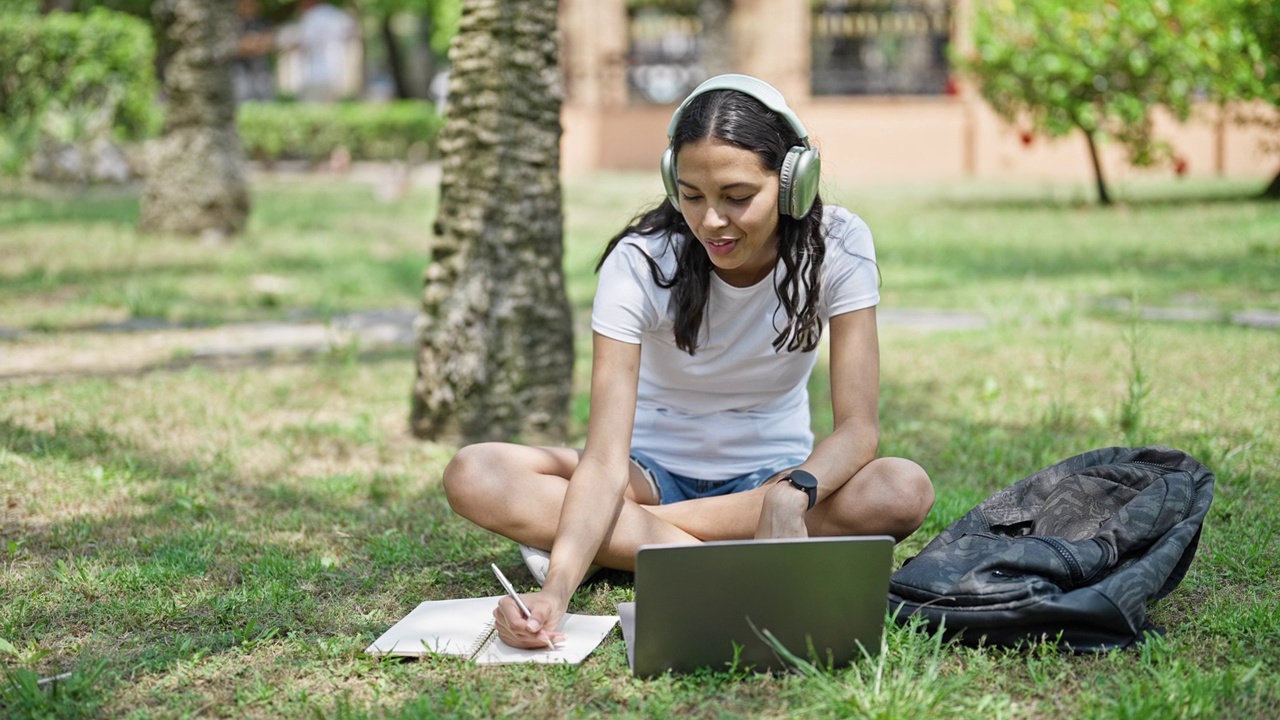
x: 464, y: 628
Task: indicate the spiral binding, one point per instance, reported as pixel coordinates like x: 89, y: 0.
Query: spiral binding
x: 482, y: 641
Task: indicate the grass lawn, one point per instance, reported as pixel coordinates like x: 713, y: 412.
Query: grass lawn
x: 224, y: 541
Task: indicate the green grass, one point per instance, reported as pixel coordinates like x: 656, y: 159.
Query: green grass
x: 76, y: 261
x: 224, y: 542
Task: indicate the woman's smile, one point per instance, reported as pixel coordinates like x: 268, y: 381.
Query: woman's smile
x: 720, y: 246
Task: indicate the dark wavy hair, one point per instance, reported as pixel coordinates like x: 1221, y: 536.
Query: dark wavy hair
x: 741, y: 120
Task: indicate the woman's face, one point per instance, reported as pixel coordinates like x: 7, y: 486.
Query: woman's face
x: 730, y: 200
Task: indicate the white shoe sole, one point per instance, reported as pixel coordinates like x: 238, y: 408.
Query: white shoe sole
x: 539, y: 561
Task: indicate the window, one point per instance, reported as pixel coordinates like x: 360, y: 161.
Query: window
x: 663, y: 65
x: 880, y: 47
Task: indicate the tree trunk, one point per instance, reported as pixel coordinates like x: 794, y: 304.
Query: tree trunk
x: 395, y: 58
x: 495, y: 357
x: 1273, y: 190
x: 1103, y: 197
x: 196, y: 172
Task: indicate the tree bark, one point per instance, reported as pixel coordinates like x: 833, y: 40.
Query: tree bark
x: 1103, y: 197
x: 196, y: 171
x: 395, y: 58
x: 495, y: 357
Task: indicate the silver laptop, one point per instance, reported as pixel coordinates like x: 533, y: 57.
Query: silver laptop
x: 709, y: 605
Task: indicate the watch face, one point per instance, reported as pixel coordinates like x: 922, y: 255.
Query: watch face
x: 807, y: 482
x: 803, y: 479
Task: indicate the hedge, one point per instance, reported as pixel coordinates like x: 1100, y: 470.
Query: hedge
x: 312, y: 131
x: 100, y: 60
x: 104, y: 61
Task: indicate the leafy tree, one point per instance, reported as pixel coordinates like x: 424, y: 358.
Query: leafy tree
x: 442, y: 15
x: 441, y: 25
x: 1094, y: 66
x: 76, y: 80
x: 1259, y: 78
x: 275, y: 9
x: 495, y: 356
x: 1243, y: 61
x: 19, y: 7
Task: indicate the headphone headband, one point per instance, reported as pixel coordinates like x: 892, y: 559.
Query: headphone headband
x: 798, y: 176
x: 756, y: 88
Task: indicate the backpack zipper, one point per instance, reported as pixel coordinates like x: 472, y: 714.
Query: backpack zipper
x: 1073, y: 567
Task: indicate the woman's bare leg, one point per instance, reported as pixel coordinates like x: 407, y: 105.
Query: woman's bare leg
x: 517, y: 491
x: 889, y: 496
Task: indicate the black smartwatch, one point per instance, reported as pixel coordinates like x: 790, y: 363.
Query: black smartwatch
x: 804, y: 480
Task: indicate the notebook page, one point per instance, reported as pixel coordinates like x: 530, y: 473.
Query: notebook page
x: 583, y: 633
x: 449, y: 627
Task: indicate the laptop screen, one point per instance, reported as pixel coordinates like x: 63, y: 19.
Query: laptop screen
x: 723, y: 605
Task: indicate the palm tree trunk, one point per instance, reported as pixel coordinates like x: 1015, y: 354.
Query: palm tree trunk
x: 196, y: 172
x: 495, y: 357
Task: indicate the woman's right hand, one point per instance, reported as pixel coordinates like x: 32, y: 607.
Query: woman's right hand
x: 538, y: 630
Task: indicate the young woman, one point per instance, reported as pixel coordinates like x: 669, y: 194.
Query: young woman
x: 706, y: 324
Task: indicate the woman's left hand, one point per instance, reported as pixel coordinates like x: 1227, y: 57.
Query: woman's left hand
x: 782, y: 515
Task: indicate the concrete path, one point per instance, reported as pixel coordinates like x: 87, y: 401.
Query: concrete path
x: 139, y: 347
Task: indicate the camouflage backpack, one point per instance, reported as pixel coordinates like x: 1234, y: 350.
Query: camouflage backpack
x: 1070, y: 554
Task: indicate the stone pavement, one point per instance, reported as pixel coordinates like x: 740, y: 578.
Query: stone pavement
x: 140, y: 346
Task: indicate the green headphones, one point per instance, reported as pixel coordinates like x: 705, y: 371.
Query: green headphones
x: 798, y: 178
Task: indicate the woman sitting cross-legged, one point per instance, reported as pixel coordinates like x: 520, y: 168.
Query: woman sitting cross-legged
x: 706, y: 324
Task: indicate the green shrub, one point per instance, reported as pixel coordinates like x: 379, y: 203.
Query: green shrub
x: 99, y: 64
x: 19, y: 7
x: 312, y: 131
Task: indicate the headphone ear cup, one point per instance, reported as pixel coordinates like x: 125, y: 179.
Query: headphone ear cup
x: 667, y: 166
x: 798, y: 181
x: 786, y: 180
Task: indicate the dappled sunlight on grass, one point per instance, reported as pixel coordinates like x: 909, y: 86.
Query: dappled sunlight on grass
x: 225, y: 540
x: 333, y: 247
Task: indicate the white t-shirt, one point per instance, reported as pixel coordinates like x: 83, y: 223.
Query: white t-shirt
x: 737, y: 404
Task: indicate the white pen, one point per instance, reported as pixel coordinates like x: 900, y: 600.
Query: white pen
x: 506, y: 585
x: 524, y: 609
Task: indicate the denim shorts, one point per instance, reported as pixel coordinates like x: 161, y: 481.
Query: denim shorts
x: 674, y: 488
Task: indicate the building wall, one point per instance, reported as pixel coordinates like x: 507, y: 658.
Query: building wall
x: 863, y: 139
